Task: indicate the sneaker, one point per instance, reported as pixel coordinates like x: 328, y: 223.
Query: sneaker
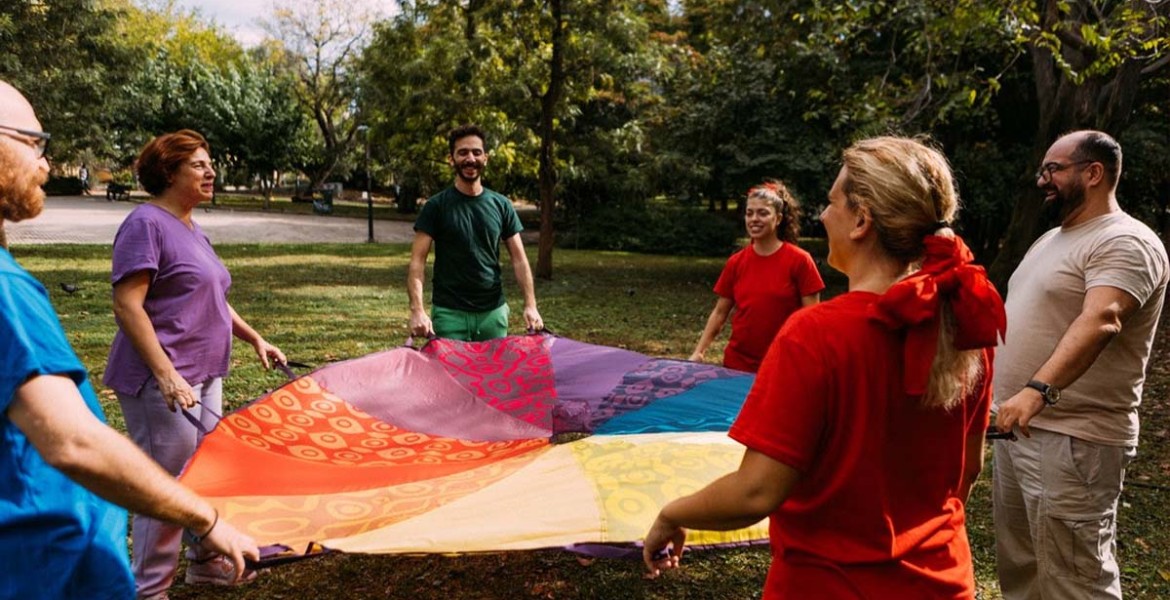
x: 217, y: 570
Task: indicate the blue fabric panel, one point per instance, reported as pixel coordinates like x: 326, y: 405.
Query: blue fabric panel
x: 709, y: 406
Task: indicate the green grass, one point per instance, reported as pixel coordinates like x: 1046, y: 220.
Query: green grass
x: 322, y: 303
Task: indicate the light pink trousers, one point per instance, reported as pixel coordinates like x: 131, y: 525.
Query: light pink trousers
x: 170, y: 439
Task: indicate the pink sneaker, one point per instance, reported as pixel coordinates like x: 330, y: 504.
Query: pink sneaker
x: 217, y: 570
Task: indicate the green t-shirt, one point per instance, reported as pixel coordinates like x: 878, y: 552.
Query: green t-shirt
x: 467, y: 231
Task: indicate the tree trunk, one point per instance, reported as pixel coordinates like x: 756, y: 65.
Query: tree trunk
x: 548, y: 175
x: 1103, y: 102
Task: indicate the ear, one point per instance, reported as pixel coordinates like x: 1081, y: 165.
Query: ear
x: 863, y: 224
x: 450, y: 159
x: 1096, y: 173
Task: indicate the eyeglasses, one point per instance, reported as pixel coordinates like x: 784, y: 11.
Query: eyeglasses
x: 1045, y: 172
x: 40, y: 139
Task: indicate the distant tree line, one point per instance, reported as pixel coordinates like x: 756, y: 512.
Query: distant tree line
x: 604, y: 110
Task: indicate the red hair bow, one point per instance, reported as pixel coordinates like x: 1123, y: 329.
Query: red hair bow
x: 947, y: 274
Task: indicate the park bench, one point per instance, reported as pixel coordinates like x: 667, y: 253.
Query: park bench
x: 117, y: 191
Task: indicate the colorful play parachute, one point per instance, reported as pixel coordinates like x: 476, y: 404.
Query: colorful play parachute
x: 524, y: 442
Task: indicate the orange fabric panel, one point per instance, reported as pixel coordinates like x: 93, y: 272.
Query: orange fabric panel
x: 304, y: 440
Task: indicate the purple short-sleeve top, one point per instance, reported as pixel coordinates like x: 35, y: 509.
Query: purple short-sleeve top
x: 186, y: 302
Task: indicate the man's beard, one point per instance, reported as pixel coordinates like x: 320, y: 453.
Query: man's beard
x: 21, y: 196
x: 1065, y: 201
x: 478, y: 172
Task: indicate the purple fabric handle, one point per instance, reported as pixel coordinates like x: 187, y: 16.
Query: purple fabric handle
x: 279, y: 554
x: 196, y: 422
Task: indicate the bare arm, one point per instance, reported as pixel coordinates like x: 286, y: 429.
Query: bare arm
x: 810, y: 299
x: 52, y: 414
x: 733, y: 501
x: 1103, y: 313
x: 420, y: 323
x: 129, y: 308
x: 715, y: 322
x: 264, y: 350
x: 524, y: 279
x: 973, y: 464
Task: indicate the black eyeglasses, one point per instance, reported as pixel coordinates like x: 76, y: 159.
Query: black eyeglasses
x: 1045, y: 172
x: 40, y: 139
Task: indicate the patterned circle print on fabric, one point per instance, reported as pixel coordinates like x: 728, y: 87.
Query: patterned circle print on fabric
x: 305, y: 464
x: 518, y: 382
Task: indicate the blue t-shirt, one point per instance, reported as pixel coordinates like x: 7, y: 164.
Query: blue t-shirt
x: 57, y: 540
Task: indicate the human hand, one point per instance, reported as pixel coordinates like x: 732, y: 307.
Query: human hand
x: 232, y: 543
x: 532, y: 318
x: 1019, y: 410
x: 176, y: 391
x: 696, y: 356
x: 661, y: 535
x: 265, y: 351
x: 420, y: 324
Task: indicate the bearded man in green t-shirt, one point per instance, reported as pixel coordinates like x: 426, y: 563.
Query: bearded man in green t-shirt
x: 466, y: 223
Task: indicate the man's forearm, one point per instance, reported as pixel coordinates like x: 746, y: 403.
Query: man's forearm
x: 52, y: 414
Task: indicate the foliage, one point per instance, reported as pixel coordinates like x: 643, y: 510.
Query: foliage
x: 67, y: 58
x: 63, y: 186
x: 319, y: 42
x: 655, y: 229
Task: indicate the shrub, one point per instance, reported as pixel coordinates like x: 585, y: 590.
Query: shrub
x: 63, y: 186
x: 656, y: 230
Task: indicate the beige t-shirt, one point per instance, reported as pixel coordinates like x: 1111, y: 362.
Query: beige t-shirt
x: 1045, y: 295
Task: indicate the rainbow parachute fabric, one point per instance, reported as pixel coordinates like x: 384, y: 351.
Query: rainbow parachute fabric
x: 519, y: 443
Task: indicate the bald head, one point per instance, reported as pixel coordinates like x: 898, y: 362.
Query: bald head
x: 15, y: 111
x: 1095, y: 146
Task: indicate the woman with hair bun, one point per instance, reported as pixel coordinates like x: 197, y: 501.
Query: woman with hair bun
x: 865, y: 427
x: 764, y: 283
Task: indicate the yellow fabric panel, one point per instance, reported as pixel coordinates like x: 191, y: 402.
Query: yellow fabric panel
x: 548, y: 503
x: 636, y: 475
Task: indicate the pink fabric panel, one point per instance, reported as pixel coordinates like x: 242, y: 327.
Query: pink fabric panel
x: 406, y: 389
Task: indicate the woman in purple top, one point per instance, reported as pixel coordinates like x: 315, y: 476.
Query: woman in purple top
x: 174, y: 339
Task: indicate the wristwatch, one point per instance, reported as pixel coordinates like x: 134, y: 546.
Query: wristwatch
x: 1049, y: 393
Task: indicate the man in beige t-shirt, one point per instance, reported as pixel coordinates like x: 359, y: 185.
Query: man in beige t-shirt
x: 1082, y: 308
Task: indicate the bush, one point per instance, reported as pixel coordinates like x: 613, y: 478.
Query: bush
x: 63, y: 186
x: 656, y: 230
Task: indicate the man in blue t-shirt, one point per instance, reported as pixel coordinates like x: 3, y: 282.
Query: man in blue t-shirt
x: 466, y: 223
x: 62, y: 469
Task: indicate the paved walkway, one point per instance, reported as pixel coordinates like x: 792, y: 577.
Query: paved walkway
x: 91, y: 220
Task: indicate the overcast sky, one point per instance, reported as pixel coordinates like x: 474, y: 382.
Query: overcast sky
x: 241, y: 17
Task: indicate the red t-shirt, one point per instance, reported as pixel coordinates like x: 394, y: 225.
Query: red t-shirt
x: 876, y: 513
x: 766, y: 290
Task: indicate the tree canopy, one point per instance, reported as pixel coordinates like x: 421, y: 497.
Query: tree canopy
x: 596, y: 108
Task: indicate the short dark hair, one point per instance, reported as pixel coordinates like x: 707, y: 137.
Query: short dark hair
x: 164, y: 155
x: 1099, y: 146
x: 463, y: 131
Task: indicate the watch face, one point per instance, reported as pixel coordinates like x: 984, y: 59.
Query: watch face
x: 1052, y: 395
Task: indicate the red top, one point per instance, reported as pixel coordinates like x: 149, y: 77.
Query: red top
x: 876, y: 513
x: 766, y: 290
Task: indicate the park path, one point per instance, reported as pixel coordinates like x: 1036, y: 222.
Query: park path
x: 93, y: 220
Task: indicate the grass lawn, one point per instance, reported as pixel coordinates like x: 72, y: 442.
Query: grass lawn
x: 330, y: 302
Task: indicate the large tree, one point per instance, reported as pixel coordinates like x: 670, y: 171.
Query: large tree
x: 1088, y: 61
x: 69, y: 61
x: 530, y: 73
x: 322, y: 40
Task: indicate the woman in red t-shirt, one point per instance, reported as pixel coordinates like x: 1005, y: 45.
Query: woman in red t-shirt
x: 764, y: 283
x: 864, y: 429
